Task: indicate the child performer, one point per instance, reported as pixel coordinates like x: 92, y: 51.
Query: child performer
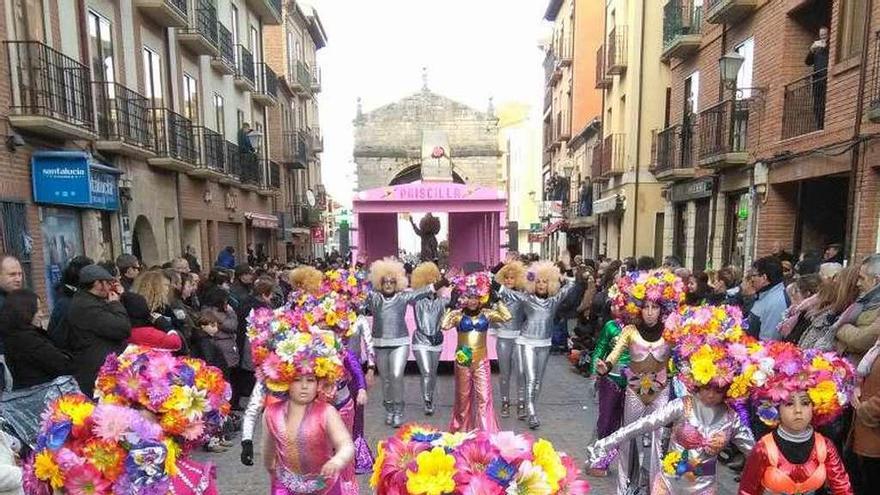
x: 427, y: 340
x: 611, y: 387
x: 642, y: 300
x: 801, y: 389
x: 710, y: 352
x: 473, y: 407
x: 513, y: 276
x: 388, y: 301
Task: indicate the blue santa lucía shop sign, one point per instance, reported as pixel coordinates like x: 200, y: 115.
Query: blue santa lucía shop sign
x: 64, y: 183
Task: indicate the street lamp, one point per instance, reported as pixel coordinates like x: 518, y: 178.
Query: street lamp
x: 730, y: 64
x: 255, y: 137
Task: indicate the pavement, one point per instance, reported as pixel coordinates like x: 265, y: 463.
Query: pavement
x: 567, y: 409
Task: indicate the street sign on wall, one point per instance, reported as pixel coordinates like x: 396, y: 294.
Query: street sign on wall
x: 318, y: 234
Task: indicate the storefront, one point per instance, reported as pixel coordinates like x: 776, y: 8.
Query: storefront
x: 263, y: 226
x: 692, y: 207
x: 78, y: 197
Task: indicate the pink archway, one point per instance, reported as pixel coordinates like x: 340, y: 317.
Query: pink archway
x: 476, y: 219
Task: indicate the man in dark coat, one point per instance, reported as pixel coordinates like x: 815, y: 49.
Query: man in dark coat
x: 97, y: 323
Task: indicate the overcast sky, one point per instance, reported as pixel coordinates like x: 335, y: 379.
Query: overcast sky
x: 473, y: 49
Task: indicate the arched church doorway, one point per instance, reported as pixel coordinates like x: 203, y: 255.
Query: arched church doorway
x: 143, y: 242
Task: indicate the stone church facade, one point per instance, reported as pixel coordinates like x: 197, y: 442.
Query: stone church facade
x: 427, y: 137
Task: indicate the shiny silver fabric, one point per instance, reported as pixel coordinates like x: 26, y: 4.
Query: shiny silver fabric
x: 428, y: 315
x: 720, y: 422
x: 428, y: 361
x: 252, y: 412
x: 391, y: 362
x: 534, y: 363
x: 539, y: 313
x: 361, y: 341
x: 389, y: 324
x: 510, y: 329
x: 509, y: 367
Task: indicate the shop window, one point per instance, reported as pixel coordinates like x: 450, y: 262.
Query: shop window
x: 850, y: 29
x: 14, y: 236
x: 62, y: 240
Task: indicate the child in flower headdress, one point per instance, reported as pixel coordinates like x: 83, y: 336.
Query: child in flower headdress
x: 642, y: 301
x: 799, y: 389
x: 427, y: 340
x: 709, y: 351
x: 473, y: 407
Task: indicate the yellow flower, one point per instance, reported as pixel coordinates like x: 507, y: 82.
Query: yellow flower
x: 703, y: 369
x: 433, y: 476
x: 331, y: 319
x: 45, y: 469
x: 671, y: 461
x: 171, y: 456
x: 323, y: 367
x: 823, y: 396
x: 453, y: 440
x: 740, y: 385
x: 547, y: 458
x: 77, y: 411
x: 377, y: 465
x: 638, y: 291
x: 821, y: 363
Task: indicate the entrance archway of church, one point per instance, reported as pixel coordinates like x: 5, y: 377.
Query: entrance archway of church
x: 414, y: 173
x: 143, y: 244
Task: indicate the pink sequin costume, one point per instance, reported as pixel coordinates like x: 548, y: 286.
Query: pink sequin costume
x: 298, y: 460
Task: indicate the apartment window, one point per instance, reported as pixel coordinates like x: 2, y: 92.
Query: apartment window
x: 219, y: 115
x: 190, y: 99
x: 291, y: 54
x: 101, y: 45
x: 234, y: 28
x: 29, y: 23
x: 692, y: 93
x: 153, y: 77
x: 744, y: 76
x: 850, y: 29
x: 255, y: 45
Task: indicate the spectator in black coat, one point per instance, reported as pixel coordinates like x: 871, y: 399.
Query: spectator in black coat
x: 129, y: 267
x: 30, y: 355
x: 64, y: 292
x: 97, y: 324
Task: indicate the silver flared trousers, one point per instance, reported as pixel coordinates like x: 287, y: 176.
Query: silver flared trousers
x: 629, y: 469
x: 428, y: 362
x: 509, y: 364
x: 534, y: 364
x: 391, y: 362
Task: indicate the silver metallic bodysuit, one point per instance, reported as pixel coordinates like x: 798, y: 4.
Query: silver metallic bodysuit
x: 427, y: 341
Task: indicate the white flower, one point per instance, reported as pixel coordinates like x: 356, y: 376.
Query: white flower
x: 759, y: 378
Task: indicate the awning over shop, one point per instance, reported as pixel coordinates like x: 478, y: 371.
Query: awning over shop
x: 262, y: 220
x: 608, y: 205
x: 553, y: 227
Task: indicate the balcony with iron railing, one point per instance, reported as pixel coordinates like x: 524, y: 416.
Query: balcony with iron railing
x: 125, y: 124
x: 175, y: 141
x: 233, y: 164
x: 549, y: 134
x: 51, y: 92
x: 294, y: 150
x: 803, y: 106
x: 723, y: 134
x: 682, y: 24
x: 316, y: 79
x: 603, y: 80
x: 167, y: 13
x: 564, y: 50
x: 224, y: 61
x: 727, y: 11
x: 303, y: 214
x: 271, y: 183
x: 211, y: 152
x: 596, y: 165
x: 673, y: 153
x: 317, y: 140
x: 562, y: 129
x: 244, y: 69
x: 266, y: 93
x: 614, y: 154
x: 549, y: 66
x: 269, y: 11
x: 616, y: 54
x: 201, y: 34
x: 251, y: 177
x: 303, y: 78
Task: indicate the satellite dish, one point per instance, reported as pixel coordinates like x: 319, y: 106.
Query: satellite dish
x: 310, y: 198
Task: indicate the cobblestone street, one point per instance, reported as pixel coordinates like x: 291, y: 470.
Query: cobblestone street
x: 567, y: 410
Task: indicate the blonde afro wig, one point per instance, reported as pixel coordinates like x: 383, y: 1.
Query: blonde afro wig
x: 513, y: 269
x: 388, y: 267
x: 425, y: 274
x: 544, y: 270
x: 306, y: 278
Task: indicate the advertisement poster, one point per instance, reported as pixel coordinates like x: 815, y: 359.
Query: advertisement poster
x: 62, y: 240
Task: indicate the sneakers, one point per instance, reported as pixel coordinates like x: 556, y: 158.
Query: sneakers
x: 397, y: 415
x: 389, y: 413
x: 534, y: 424
x: 505, y: 409
x: 521, y: 412
x: 214, y: 446
x: 429, y: 408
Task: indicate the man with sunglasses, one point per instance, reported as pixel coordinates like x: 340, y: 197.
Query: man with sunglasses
x: 129, y: 268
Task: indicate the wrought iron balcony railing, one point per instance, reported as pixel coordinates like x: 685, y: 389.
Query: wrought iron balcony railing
x: 803, y: 109
x: 251, y: 169
x: 667, y: 150
x: 174, y: 135
x: 304, y: 75
x: 724, y: 129
x: 123, y: 115
x: 212, y: 150
x: 614, y: 154
x: 225, y: 61
x: 616, y: 56
x: 233, y: 160
x: 202, y: 33
x: 47, y: 83
x: 274, y: 175
x: 267, y: 81
x: 682, y: 24
x: 602, y: 79
x: 317, y: 141
x: 295, y: 150
x: 244, y: 65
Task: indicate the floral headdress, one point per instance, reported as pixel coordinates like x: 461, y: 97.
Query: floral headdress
x: 709, y: 348
x: 285, y: 345
x: 354, y: 285
x: 334, y: 312
x: 422, y: 459
x: 86, y: 448
x: 189, y: 398
x: 632, y: 290
x: 476, y: 285
x: 780, y: 369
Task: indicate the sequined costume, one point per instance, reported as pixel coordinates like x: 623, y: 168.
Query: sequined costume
x: 427, y: 342
x: 534, y: 338
x: 699, y: 432
x: 473, y: 407
x: 194, y: 478
x: 299, y: 458
x: 611, y: 386
x: 391, y: 341
x: 508, y: 353
x: 361, y: 344
x: 768, y: 470
x: 647, y: 391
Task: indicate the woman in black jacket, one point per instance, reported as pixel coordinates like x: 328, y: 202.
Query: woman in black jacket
x: 31, y: 356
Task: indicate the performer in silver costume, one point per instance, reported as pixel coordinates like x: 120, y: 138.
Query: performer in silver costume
x: 390, y: 335
x: 427, y: 340
x: 539, y: 306
x: 513, y: 276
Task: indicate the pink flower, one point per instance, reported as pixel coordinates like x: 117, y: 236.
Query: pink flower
x: 480, y: 484
x: 111, y: 422
x: 512, y: 447
x: 572, y: 484
x: 85, y: 480
x: 160, y: 365
x: 473, y: 457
